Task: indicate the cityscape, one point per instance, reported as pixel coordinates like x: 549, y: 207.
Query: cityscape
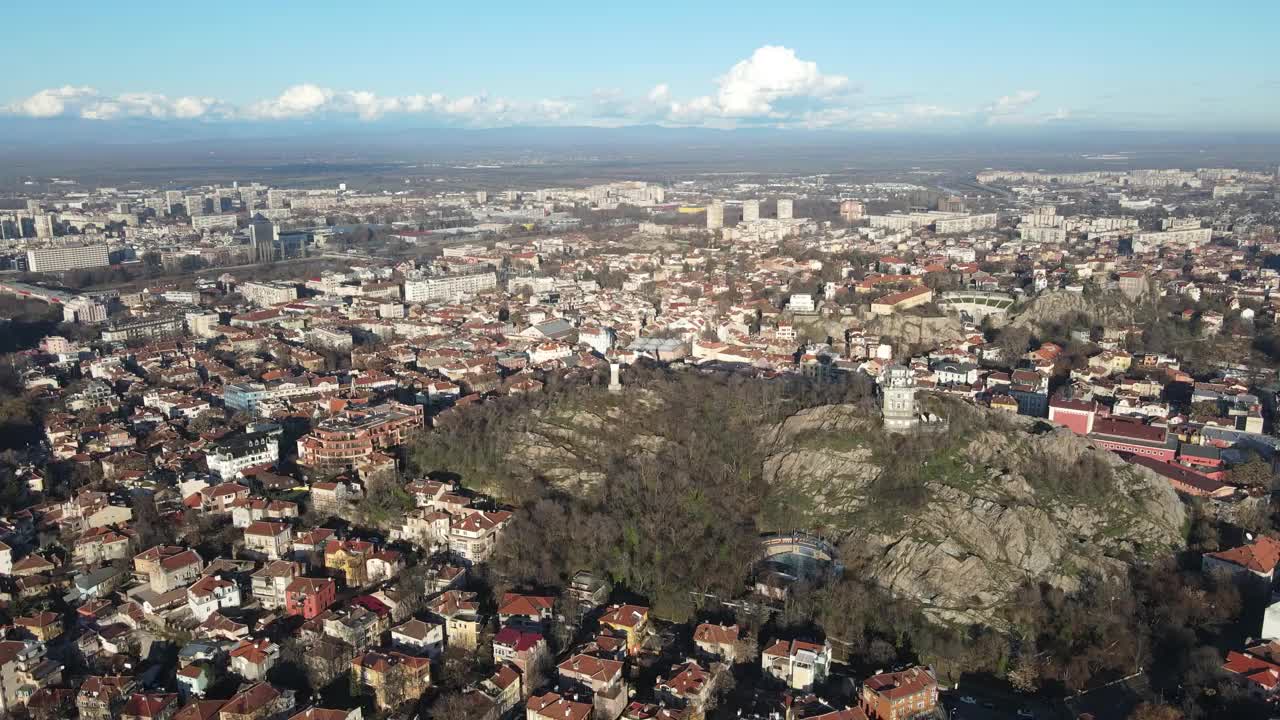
x: 786, y: 397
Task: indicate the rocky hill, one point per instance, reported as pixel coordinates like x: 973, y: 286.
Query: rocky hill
x: 957, y: 520
x: 985, y: 520
x: 1051, y: 307
x: 917, y: 329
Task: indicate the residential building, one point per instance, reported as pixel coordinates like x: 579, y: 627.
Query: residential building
x: 265, y: 294
x: 602, y: 677
x: 272, y: 540
x: 435, y: 289
x: 269, y: 585
x: 210, y: 594
x: 717, y: 641
x: 24, y: 669
x: 309, y: 597
x: 1255, y: 559
x: 69, y: 257
x: 419, y: 637
x: 553, y: 706
x: 229, y: 456
x: 394, y: 678
x: 630, y: 620
x: 351, y: 439
x: 167, y: 567
x: 904, y: 695
x: 527, y: 651
x: 797, y: 664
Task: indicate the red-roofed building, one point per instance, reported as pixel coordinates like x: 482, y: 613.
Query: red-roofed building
x: 800, y: 665
x: 1258, y: 558
x: 1075, y: 415
x: 552, y: 706
x: 525, y: 650
x: 394, y: 677
x: 150, y: 706
x: 309, y: 597
x: 1184, y: 480
x: 897, y: 302
x: 718, y: 641
x: 529, y: 611
x: 630, y: 620
x: 690, y: 687
x: 1263, y: 675
x: 904, y: 695
x: 1131, y: 435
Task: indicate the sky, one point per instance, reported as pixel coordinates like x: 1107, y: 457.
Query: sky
x: 844, y: 65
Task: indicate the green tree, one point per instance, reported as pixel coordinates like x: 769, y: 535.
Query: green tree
x: 1256, y: 473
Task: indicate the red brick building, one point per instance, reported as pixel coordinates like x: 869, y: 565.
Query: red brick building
x: 905, y: 695
x: 309, y: 597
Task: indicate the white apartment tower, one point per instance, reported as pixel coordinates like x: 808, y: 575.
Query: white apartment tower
x: 785, y: 209
x: 44, y: 225
x: 750, y: 210
x: 715, y: 215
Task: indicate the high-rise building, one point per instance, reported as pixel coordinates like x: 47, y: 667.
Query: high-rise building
x: 44, y: 226
x: 194, y: 204
x: 482, y: 197
x: 58, y: 259
x: 247, y: 197
x: 172, y: 198
x: 851, y: 210
x: 277, y: 199
x: 262, y: 236
x: 784, y: 209
x: 750, y: 210
x: 715, y: 215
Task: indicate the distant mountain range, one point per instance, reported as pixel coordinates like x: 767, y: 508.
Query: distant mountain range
x: 134, y: 147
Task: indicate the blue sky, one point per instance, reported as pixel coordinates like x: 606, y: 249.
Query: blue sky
x: 1121, y: 64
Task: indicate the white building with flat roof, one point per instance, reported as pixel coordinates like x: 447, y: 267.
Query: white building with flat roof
x: 445, y: 287
x: 71, y: 257
x: 264, y: 294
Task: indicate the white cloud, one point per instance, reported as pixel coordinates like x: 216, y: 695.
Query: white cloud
x: 189, y: 107
x: 54, y: 101
x: 1011, y: 109
x: 90, y: 104
x: 773, y: 87
x: 295, y: 101
x: 772, y: 73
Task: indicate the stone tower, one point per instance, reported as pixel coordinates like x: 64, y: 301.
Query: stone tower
x: 615, y: 382
x: 898, y: 399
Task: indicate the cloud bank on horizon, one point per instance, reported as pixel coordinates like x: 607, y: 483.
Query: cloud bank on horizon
x: 772, y: 88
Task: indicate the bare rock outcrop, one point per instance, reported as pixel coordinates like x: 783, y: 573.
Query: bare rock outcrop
x: 988, y: 523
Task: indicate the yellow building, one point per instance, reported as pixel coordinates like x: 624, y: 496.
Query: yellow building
x: 630, y: 620
x: 394, y: 678
x: 349, y: 558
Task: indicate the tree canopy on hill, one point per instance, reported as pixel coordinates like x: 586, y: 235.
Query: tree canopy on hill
x: 682, y: 501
